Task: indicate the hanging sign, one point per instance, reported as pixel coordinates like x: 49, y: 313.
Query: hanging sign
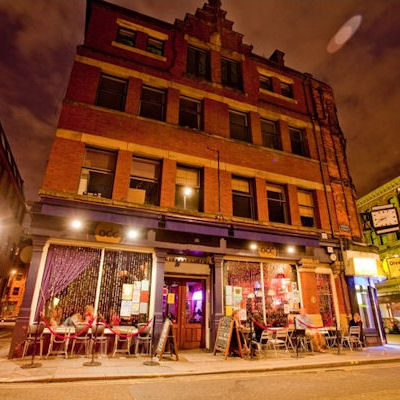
x: 107, y: 232
x: 171, y: 298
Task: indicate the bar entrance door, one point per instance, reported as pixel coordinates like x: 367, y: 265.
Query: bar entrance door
x: 184, y: 303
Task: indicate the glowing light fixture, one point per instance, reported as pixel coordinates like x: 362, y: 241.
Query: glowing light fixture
x: 253, y: 246
x: 132, y: 234
x: 76, y: 224
x: 290, y: 249
x: 187, y: 191
x: 13, y: 272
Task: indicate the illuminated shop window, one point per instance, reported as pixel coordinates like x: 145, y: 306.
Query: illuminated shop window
x: 364, y: 304
x: 324, y: 291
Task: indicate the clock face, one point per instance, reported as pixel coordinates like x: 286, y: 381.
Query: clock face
x: 382, y: 218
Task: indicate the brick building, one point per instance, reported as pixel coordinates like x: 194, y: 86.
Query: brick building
x: 198, y: 176
x: 12, y: 211
x: 385, y: 198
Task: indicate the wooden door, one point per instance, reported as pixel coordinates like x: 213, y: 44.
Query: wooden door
x: 186, y: 308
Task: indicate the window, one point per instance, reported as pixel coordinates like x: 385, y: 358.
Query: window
x: 111, y: 92
x: 144, y: 183
x: 15, y: 291
x: 126, y: 37
x: 152, y: 103
x: 187, y: 190
x: 198, y: 63
x: 287, y: 90
x: 19, y: 277
x: 325, y: 296
x: 155, y: 46
x: 270, y: 135
x: 276, y: 200
x: 306, y: 207
x: 231, y: 75
x: 242, y: 198
x: 97, y: 176
x: 238, y: 126
x: 298, y: 140
x: 266, y: 83
x: 189, y: 113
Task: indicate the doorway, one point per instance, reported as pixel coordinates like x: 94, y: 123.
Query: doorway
x: 184, y: 303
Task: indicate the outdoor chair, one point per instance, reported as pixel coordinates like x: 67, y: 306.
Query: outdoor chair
x: 124, y: 342
x: 259, y: 346
x: 143, y: 340
x: 34, y: 331
x: 331, y: 337
x: 353, y: 338
x: 59, y: 345
x: 99, y: 338
x: 278, y: 340
x: 83, y: 339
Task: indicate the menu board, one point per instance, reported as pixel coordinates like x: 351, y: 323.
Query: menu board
x: 166, y: 341
x: 224, y: 335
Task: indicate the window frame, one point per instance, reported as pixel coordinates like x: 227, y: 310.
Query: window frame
x: 275, y: 137
x: 154, y: 49
x: 198, y: 112
x: 120, y: 37
x: 250, y: 195
x: 287, y: 89
x: 196, y: 70
x: 157, y: 180
x: 163, y: 104
x: 303, y: 143
x: 306, y: 206
x: 282, y: 202
x: 198, y: 188
x: 247, y: 126
x: 100, y: 91
x: 266, y: 78
x: 98, y: 170
x: 228, y: 82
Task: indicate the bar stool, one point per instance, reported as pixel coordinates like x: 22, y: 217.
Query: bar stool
x: 98, y: 338
x: 35, y: 332
x: 83, y: 339
x: 143, y: 340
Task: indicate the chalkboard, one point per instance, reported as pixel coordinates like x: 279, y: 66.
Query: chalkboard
x: 224, y: 334
x: 166, y: 341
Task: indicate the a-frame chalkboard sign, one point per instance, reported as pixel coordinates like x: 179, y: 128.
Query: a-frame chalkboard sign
x: 224, y: 336
x: 166, y: 343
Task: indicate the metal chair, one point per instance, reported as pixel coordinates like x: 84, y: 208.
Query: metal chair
x: 353, y: 338
x: 260, y: 345
x: 143, y: 340
x: 125, y: 342
x: 34, y: 333
x: 98, y: 337
x: 83, y: 339
x: 62, y: 344
x: 278, y: 340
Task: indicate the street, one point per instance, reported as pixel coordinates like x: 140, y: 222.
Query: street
x: 6, y: 329
x: 351, y: 383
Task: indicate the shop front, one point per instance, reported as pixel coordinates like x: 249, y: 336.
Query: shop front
x: 363, y: 274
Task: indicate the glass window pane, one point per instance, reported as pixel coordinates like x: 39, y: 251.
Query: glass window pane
x: 100, y: 159
x: 155, y: 46
x: 111, y: 92
x: 144, y: 169
x: 187, y: 177
x: 126, y: 37
x: 241, y: 185
x: 242, y: 206
x: 305, y: 198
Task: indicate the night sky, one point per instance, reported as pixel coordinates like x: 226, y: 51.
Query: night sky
x: 38, y: 41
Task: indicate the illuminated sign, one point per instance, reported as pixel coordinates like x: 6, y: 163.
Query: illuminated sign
x: 108, y: 232
x: 394, y: 266
x: 364, y: 266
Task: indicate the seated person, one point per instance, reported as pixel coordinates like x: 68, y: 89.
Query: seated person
x: 53, y: 318
x: 257, y: 321
x: 303, y: 321
x: 114, y: 318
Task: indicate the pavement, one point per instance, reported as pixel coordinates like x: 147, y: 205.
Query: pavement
x: 191, y: 363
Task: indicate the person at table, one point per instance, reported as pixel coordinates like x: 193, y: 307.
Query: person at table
x: 356, y: 321
x: 257, y: 323
x: 88, y: 313
x: 237, y: 331
x: 114, y: 318
x: 53, y: 322
x: 303, y: 321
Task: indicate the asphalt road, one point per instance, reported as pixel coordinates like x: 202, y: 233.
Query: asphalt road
x: 350, y: 383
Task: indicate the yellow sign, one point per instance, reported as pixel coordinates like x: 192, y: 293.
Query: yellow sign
x: 267, y: 250
x: 108, y: 232
x: 394, y: 266
x: 171, y: 298
x: 364, y: 266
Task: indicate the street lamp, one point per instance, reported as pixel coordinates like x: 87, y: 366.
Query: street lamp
x: 132, y: 234
x: 290, y: 249
x: 187, y: 191
x: 253, y: 246
x: 76, y: 224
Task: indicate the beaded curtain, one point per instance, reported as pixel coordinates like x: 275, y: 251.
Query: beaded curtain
x: 121, y: 267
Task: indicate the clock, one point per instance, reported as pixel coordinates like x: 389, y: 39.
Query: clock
x: 385, y: 217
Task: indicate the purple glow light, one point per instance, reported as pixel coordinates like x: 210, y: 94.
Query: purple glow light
x: 198, y: 295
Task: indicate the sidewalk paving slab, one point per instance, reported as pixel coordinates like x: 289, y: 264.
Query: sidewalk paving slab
x: 58, y: 369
